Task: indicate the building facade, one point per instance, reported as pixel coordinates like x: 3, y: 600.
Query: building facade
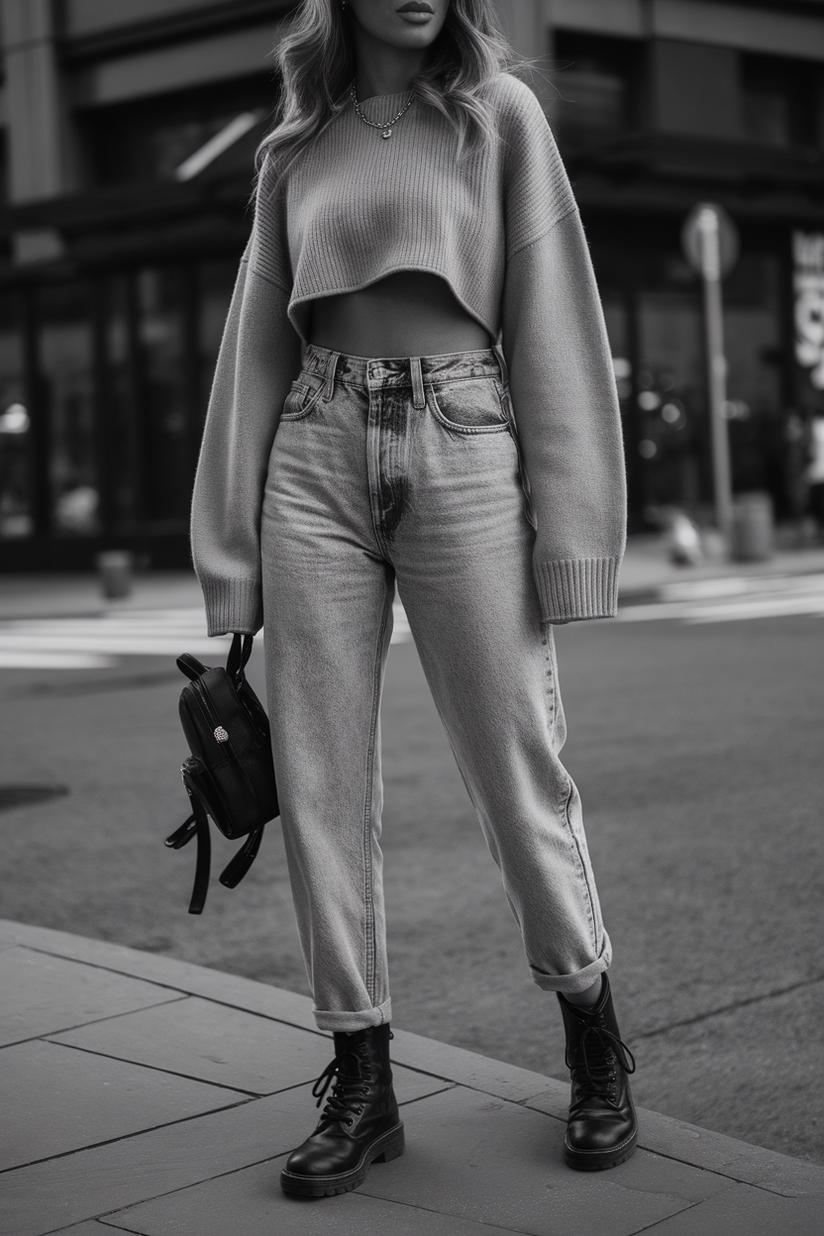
x: 128, y: 132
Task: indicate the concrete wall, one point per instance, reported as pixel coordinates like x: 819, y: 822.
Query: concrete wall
x: 191, y: 63
x: 701, y: 21
x: 41, y: 162
x: 85, y: 17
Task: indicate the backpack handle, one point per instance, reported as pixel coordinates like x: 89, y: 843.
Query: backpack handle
x: 239, y: 655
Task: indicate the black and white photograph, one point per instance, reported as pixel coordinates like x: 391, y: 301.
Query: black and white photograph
x: 412, y: 617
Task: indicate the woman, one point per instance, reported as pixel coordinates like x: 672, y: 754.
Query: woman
x: 415, y: 388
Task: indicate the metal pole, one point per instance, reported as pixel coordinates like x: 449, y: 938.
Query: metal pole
x: 716, y: 369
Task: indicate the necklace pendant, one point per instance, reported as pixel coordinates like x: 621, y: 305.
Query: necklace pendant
x: 386, y: 133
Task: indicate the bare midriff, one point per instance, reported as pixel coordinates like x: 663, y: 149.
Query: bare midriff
x: 410, y: 313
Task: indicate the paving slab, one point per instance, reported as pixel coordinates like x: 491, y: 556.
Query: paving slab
x: 478, y: 1157
x: 214, y: 1209
x: 178, y: 976
x: 92, y: 1228
x: 506, y: 1081
x: 746, y: 1212
x: 61, y: 1191
x: 52, y: 994
x: 64, y: 1099
x: 197, y: 1038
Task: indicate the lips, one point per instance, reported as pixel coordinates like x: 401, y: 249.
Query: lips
x: 417, y: 7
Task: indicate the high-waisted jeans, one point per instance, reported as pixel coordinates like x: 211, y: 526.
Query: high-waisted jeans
x: 406, y: 472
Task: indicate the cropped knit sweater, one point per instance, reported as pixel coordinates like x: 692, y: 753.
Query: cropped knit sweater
x: 503, y: 230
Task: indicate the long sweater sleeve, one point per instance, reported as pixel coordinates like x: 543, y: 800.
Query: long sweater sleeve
x: 563, y: 392
x: 258, y: 359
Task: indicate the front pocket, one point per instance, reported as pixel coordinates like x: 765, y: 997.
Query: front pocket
x: 472, y: 405
x: 300, y: 401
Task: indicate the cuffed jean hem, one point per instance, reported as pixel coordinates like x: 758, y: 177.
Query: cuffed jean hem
x: 327, y: 1019
x: 571, y: 984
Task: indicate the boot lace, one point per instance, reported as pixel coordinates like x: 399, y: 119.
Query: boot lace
x: 342, y: 1104
x: 593, y: 1066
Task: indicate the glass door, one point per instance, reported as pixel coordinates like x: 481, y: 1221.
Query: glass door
x: 16, y: 472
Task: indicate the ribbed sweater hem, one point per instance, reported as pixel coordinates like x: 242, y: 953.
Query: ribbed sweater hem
x: 232, y: 605
x: 576, y: 588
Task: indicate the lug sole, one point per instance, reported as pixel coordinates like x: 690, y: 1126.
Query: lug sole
x: 599, y: 1160
x: 384, y: 1149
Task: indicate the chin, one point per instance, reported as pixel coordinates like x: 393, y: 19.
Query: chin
x: 412, y: 38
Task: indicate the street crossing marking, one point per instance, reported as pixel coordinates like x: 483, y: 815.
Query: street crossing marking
x: 101, y: 641
x: 736, y: 599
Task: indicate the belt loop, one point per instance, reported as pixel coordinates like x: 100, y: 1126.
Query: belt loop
x: 331, y: 370
x: 418, y: 393
x: 501, y: 359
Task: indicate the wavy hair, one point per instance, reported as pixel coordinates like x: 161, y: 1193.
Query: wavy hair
x: 315, y: 64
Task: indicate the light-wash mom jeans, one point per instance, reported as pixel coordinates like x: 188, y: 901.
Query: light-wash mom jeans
x: 407, y: 470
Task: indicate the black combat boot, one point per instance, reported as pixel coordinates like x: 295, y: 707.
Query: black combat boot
x: 359, y: 1124
x: 602, y: 1130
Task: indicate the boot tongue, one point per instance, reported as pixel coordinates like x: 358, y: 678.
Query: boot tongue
x: 596, y: 1048
x: 352, y: 1054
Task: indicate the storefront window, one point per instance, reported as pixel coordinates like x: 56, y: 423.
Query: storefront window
x: 670, y: 395
x: 781, y: 101
x: 16, y: 504
x: 119, y: 406
x: 104, y: 385
x: 596, y: 83
x: 653, y: 309
x: 148, y: 139
x: 162, y: 410
x: 754, y: 404
x: 66, y: 406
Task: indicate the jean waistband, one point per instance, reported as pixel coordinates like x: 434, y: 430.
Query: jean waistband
x: 402, y: 370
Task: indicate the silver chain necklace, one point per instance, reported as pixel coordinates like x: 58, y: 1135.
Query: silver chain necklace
x: 385, y: 129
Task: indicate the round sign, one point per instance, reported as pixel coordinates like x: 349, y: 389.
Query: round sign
x: 710, y: 240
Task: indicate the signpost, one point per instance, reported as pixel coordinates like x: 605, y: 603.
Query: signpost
x: 710, y: 243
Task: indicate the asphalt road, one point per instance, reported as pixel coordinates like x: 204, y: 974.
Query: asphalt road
x: 697, y: 749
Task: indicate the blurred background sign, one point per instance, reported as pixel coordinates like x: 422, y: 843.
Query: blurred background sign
x: 808, y: 290
x: 693, y: 239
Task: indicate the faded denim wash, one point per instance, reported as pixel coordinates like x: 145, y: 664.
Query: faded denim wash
x: 406, y: 471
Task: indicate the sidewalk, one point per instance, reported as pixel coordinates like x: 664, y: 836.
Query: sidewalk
x: 645, y: 571
x: 151, y: 1096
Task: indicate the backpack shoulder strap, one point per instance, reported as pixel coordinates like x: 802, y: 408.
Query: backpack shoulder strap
x: 197, y: 825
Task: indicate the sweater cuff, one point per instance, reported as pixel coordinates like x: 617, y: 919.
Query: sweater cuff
x: 575, y: 588
x: 232, y: 605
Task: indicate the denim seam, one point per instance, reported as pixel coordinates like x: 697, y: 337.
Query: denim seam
x: 583, y: 867
x: 552, y: 693
x: 368, y: 898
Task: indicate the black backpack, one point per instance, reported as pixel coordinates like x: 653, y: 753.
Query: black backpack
x: 230, y: 775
